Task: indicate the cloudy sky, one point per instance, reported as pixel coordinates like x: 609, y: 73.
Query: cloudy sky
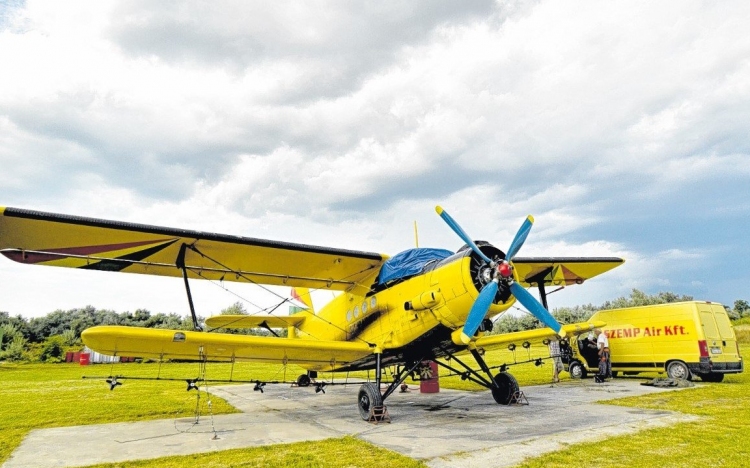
x: 623, y: 127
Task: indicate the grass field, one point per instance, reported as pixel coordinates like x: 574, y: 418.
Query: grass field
x: 39, y: 396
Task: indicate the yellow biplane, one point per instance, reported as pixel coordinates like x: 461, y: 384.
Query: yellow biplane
x: 421, y: 304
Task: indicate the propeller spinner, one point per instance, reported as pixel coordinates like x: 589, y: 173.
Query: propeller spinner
x: 501, y: 270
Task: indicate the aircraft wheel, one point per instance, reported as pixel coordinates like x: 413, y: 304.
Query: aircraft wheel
x: 303, y: 380
x: 576, y: 370
x: 369, y: 396
x: 712, y: 377
x: 678, y: 370
x: 507, y: 388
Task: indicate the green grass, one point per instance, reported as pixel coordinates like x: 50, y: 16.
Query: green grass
x: 342, y: 452
x: 38, y: 396
x: 35, y: 396
x: 718, y: 439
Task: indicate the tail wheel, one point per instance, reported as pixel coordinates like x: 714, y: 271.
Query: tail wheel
x: 506, y: 390
x: 303, y: 380
x: 576, y: 370
x: 678, y: 370
x: 369, y: 397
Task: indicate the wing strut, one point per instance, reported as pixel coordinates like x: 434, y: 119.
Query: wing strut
x: 181, y: 265
x: 543, y: 294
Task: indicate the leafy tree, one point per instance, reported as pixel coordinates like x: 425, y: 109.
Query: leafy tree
x: 639, y: 298
x: 70, y: 338
x: 741, y: 308
x: 237, y: 308
x: 511, y: 323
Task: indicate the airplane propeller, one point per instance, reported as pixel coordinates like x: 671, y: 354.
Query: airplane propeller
x: 502, y: 270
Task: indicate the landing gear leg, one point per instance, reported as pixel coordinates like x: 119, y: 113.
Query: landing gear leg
x: 503, y: 386
x: 370, y: 400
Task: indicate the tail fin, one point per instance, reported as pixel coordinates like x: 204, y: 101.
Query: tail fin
x: 302, y: 295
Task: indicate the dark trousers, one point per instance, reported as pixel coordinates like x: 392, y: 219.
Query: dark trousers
x: 605, y: 365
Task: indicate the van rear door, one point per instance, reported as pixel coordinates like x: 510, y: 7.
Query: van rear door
x: 726, y: 335
x: 710, y: 330
x: 720, y: 339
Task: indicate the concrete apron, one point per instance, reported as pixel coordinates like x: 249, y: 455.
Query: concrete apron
x: 450, y: 428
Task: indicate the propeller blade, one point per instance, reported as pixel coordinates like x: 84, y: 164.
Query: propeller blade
x: 461, y: 233
x: 478, y: 311
x: 520, y: 238
x: 533, y: 306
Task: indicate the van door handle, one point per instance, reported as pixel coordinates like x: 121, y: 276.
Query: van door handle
x: 723, y: 343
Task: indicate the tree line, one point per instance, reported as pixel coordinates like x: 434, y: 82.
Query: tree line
x: 47, y: 338
x: 513, y: 322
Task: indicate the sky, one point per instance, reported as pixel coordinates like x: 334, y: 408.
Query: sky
x: 622, y: 127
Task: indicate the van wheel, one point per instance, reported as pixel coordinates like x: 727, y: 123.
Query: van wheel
x: 712, y: 377
x: 678, y: 370
x: 576, y: 370
x: 507, y: 388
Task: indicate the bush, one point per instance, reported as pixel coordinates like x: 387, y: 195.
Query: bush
x: 53, y: 349
x: 15, y: 350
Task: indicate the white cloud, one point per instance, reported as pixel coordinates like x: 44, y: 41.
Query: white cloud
x: 336, y: 124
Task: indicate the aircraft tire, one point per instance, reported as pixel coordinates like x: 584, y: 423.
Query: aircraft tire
x: 678, y: 370
x: 576, y: 370
x: 303, y: 380
x: 369, y: 396
x: 508, y: 388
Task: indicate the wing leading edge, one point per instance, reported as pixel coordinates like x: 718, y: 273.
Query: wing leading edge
x: 40, y: 238
x: 175, y: 344
x: 562, y: 271
x: 532, y: 336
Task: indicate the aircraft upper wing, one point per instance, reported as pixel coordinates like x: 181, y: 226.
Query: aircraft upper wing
x: 539, y: 334
x: 40, y: 238
x: 562, y: 271
x: 155, y: 343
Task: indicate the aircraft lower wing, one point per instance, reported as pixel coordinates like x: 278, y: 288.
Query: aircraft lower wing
x: 561, y: 271
x: 39, y: 238
x: 496, y: 341
x: 187, y: 345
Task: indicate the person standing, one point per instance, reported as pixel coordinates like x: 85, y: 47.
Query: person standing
x: 556, y: 355
x: 605, y: 365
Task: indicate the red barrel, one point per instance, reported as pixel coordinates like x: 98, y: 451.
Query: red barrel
x: 69, y: 356
x: 85, y: 359
x: 430, y: 384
